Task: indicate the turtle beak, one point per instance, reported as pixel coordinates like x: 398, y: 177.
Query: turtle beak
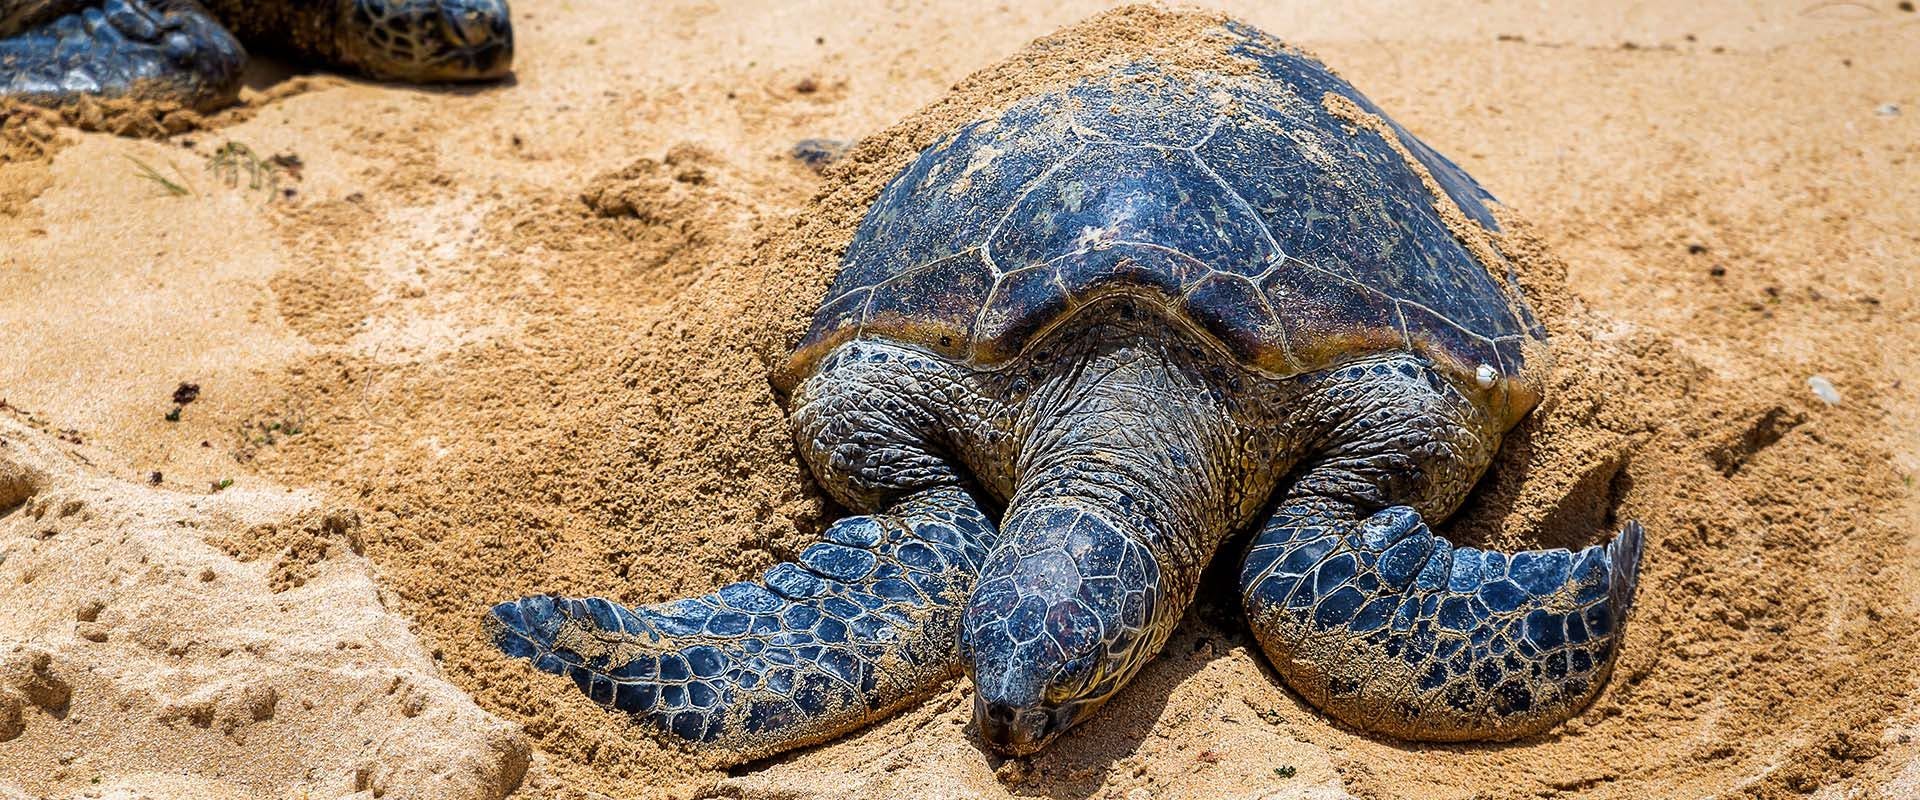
x: 1012, y: 730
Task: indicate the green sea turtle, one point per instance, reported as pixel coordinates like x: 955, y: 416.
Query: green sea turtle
x: 53, y: 52
x: 1078, y: 348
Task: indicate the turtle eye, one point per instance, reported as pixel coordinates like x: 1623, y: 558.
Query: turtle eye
x: 464, y: 26
x: 1071, y: 682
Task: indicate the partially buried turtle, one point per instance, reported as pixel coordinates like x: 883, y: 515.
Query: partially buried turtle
x: 55, y: 52
x: 1144, y: 313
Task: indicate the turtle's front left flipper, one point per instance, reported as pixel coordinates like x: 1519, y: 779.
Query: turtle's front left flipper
x: 1380, y: 622
x: 148, y: 50
x: 861, y: 624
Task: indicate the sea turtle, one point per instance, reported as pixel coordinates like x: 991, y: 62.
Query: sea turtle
x: 53, y: 52
x: 1144, y: 312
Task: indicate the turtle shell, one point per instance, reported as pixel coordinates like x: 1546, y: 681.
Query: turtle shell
x: 1275, y: 210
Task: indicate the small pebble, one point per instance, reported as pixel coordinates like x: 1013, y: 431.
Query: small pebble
x: 1013, y: 771
x: 1823, y: 389
x: 818, y: 153
x: 1888, y: 110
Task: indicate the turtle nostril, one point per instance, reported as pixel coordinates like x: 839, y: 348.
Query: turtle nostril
x: 1011, y: 729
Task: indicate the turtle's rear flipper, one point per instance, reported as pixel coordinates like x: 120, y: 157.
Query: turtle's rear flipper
x: 148, y: 50
x: 1391, y: 629
x: 864, y: 622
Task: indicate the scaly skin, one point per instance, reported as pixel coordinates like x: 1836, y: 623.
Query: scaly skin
x: 860, y: 625
x: 1388, y: 627
x: 54, y: 52
x: 169, y: 50
x: 417, y: 41
x: 1126, y: 452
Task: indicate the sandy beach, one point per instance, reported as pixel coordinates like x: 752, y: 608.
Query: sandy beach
x: 454, y: 346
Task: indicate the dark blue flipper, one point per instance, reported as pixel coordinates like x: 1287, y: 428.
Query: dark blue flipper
x: 152, y: 50
x: 864, y: 622
x: 1391, y: 629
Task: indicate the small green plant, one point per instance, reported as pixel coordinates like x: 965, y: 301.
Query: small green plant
x: 259, y: 433
x: 222, y: 484
x: 235, y: 159
x: 268, y: 434
x: 174, y: 188
x: 1284, y: 771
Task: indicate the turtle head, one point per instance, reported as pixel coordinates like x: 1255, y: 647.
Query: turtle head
x: 1063, y: 615
x: 427, y: 41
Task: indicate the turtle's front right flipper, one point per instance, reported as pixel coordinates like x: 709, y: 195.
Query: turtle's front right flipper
x: 147, y: 50
x: 862, y: 623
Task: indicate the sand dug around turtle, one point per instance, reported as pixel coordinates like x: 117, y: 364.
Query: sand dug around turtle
x: 525, y: 332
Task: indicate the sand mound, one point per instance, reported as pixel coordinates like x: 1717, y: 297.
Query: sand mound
x: 156, y: 643
x: 26, y: 131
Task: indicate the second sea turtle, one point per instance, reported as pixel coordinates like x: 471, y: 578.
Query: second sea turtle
x: 56, y: 52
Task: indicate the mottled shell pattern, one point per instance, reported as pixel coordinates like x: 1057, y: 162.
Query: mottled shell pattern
x: 1242, y: 205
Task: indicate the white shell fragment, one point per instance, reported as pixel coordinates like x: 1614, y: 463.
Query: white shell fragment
x: 1823, y: 389
x: 1888, y: 110
x: 1485, y: 376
